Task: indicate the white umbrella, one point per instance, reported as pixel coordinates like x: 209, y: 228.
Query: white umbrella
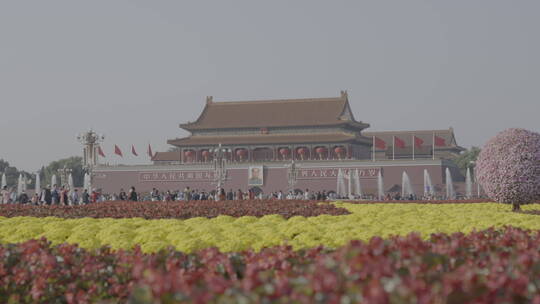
x: 38, y: 184
x: 53, y: 180
x: 357, y: 184
x: 70, y: 185
x: 468, y: 183
x: 20, y: 185
x: 349, y: 184
x: 380, y: 186
x: 4, y: 180
x: 85, y: 183
x: 24, y: 184
x: 341, y: 184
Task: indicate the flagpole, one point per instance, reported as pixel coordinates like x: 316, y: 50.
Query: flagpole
x: 373, y: 149
x: 433, y: 147
x: 393, y: 147
x: 413, y: 144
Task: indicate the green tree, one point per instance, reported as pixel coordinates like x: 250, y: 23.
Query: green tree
x: 464, y: 159
x: 12, y: 174
x: 75, y: 163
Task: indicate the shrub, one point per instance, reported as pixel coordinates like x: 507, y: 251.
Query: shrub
x: 508, y: 167
x: 490, y: 266
x: 177, y: 210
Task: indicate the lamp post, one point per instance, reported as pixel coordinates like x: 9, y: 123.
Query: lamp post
x: 472, y: 163
x: 292, y: 175
x: 219, y: 160
x: 90, y: 141
x: 64, y: 173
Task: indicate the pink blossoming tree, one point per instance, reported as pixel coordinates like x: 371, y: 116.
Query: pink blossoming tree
x: 508, y: 167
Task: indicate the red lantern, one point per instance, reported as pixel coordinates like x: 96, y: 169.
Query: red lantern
x: 320, y: 151
x: 205, y: 154
x: 241, y: 152
x: 189, y: 154
x: 339, y: 151
x: 284, y: 152
x: 302, y: 151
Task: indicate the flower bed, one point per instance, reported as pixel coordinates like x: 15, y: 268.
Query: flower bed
x: 467, y: 201
x: 177, y: 210
x: 232, y: 234
x: 489, y: 266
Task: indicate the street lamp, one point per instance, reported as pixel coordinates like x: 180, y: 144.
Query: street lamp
x: 219, y: 158
x: 90, y: 141
x: 292, y: 175
x: 64, y: 173
x: 473, y: 163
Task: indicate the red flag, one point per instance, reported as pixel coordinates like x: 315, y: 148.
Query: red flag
x: 133, y: 151
x: 418, y: 141
x: 117, y: 151
x: 379, y: 143
x: 399, y: 142
x: 439, y: 141
x: 150, y: 154
x: 100, y: 152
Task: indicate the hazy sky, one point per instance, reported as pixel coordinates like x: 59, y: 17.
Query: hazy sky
x: 134, y: 70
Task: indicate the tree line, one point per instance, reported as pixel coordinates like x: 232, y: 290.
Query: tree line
x: 45, y: 173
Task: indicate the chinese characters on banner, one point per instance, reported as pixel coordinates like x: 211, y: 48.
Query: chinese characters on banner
x: 323, y: 173
x: 255, y: 175
x: 177, y: 176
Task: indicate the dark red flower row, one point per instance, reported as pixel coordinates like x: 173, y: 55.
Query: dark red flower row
x: 492, y: 266
x: 464, y: 201
x: 178, y: 210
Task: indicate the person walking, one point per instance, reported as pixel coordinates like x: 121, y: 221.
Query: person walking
x: 75, y: 197
x: 23, y: 198
x: 85, y: 197
x: 168, y: 196
x: 35, y: 199
x: 5, y: 195
x: 187, y: 194
x: 63, y: 196
x: 154, y: 195
x: 55, y: 194
x: 222, y: 196
x: 13, y: 196
x: 133, y: 194
x: 48, y: 195
x: 94, y: 196
x: 122, y: 195
x: 239, y: 195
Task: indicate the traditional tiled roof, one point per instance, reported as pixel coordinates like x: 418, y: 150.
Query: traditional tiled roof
x: 268, y: 139
x: 275, y: 113
x: 426, y: 135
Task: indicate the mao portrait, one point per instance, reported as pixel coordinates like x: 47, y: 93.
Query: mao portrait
x: 255, y: 177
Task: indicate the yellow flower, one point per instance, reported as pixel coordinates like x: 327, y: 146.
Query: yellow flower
x: 248, y: 232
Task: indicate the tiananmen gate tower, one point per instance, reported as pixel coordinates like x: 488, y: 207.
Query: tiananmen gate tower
x: 320, y: 135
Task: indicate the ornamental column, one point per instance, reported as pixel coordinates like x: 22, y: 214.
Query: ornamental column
x: 90, y: 141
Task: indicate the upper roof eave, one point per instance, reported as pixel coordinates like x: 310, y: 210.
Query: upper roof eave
x: 357, y: 124
x: 275, y: 113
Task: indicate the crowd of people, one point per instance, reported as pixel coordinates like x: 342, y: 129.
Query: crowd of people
x: 188, y: 194
x: 63, y: 195
x: 56, y: 195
